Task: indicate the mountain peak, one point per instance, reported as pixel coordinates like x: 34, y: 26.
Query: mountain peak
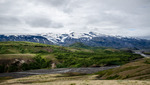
x: 87, y: 38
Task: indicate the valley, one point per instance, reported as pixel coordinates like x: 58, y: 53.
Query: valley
x: 74, y: 42
x: 21, y: 61
x: 136, y: 73
x: 28, y: 55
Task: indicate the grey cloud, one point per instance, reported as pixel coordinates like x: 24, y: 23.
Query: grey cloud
x: 42, y: 22
x: 8, y: 7
x: 6, y: 20
x: 103, y: 15
x: 66, y: 6
x: 125, y: 14
x: 56, y: 2
x: 57, y: 25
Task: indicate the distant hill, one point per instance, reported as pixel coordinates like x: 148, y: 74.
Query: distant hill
x: 28, y: 38
x: 90, y: 39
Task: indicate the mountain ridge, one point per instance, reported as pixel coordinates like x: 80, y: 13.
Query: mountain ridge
x: 92, y: 39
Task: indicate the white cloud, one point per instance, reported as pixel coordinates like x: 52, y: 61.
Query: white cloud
x: 115, y: 17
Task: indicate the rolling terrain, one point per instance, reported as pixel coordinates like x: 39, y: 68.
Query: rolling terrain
x: 137, y: 70
x: 18, y: 56
x: 77, y: 64
x: 134, y: 73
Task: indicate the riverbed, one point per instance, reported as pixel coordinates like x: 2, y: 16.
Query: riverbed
x: 88, y: 70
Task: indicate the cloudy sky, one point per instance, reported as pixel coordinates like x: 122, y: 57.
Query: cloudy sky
x: 114, y: 17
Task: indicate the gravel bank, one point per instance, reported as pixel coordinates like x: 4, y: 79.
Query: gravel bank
x: 88, y: 70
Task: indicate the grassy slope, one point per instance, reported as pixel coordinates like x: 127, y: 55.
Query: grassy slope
x: 21, y: 49
x: 28, y: 50
x: 62, y: 56
x: 139, y: 69
x: 60, y: 79
x: 134, y: 70
x: 11, y: 56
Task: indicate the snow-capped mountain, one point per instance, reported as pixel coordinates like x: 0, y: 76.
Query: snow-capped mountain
x: 89, y: 38
x: 57, y: 38
x: 29, y: 38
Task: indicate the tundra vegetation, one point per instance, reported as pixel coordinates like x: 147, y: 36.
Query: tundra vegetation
x: 19, y: 56
x: 37, y: 56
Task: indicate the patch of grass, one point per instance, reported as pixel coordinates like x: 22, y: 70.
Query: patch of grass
x: 147, y: 53
x: 113, y: 77
x: 133, y: 70
x: 73, y: 84
x: 103, y: 73
x: 69, y: 74
x: 144, y: 77
x: 2, y: 79
x: 128, y: 68
x: 147, y: 61
x: 13, y: 56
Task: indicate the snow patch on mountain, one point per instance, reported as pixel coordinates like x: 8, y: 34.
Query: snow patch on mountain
x: 61, y: 37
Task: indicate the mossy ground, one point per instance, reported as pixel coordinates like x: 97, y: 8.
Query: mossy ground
x: 137, y: 70
x: 55, y: 79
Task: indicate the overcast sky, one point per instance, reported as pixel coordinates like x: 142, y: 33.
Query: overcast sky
x: 114, y: 17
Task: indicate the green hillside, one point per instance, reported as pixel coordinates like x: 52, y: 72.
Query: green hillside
x: 27, y: 55
x: 79, y: 45
x: 137, y: 70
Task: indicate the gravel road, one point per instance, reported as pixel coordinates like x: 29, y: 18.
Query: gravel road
x: 88, y: 70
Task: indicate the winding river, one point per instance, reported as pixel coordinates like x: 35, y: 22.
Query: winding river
x: 87, y: 70
x: 139, y: 52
